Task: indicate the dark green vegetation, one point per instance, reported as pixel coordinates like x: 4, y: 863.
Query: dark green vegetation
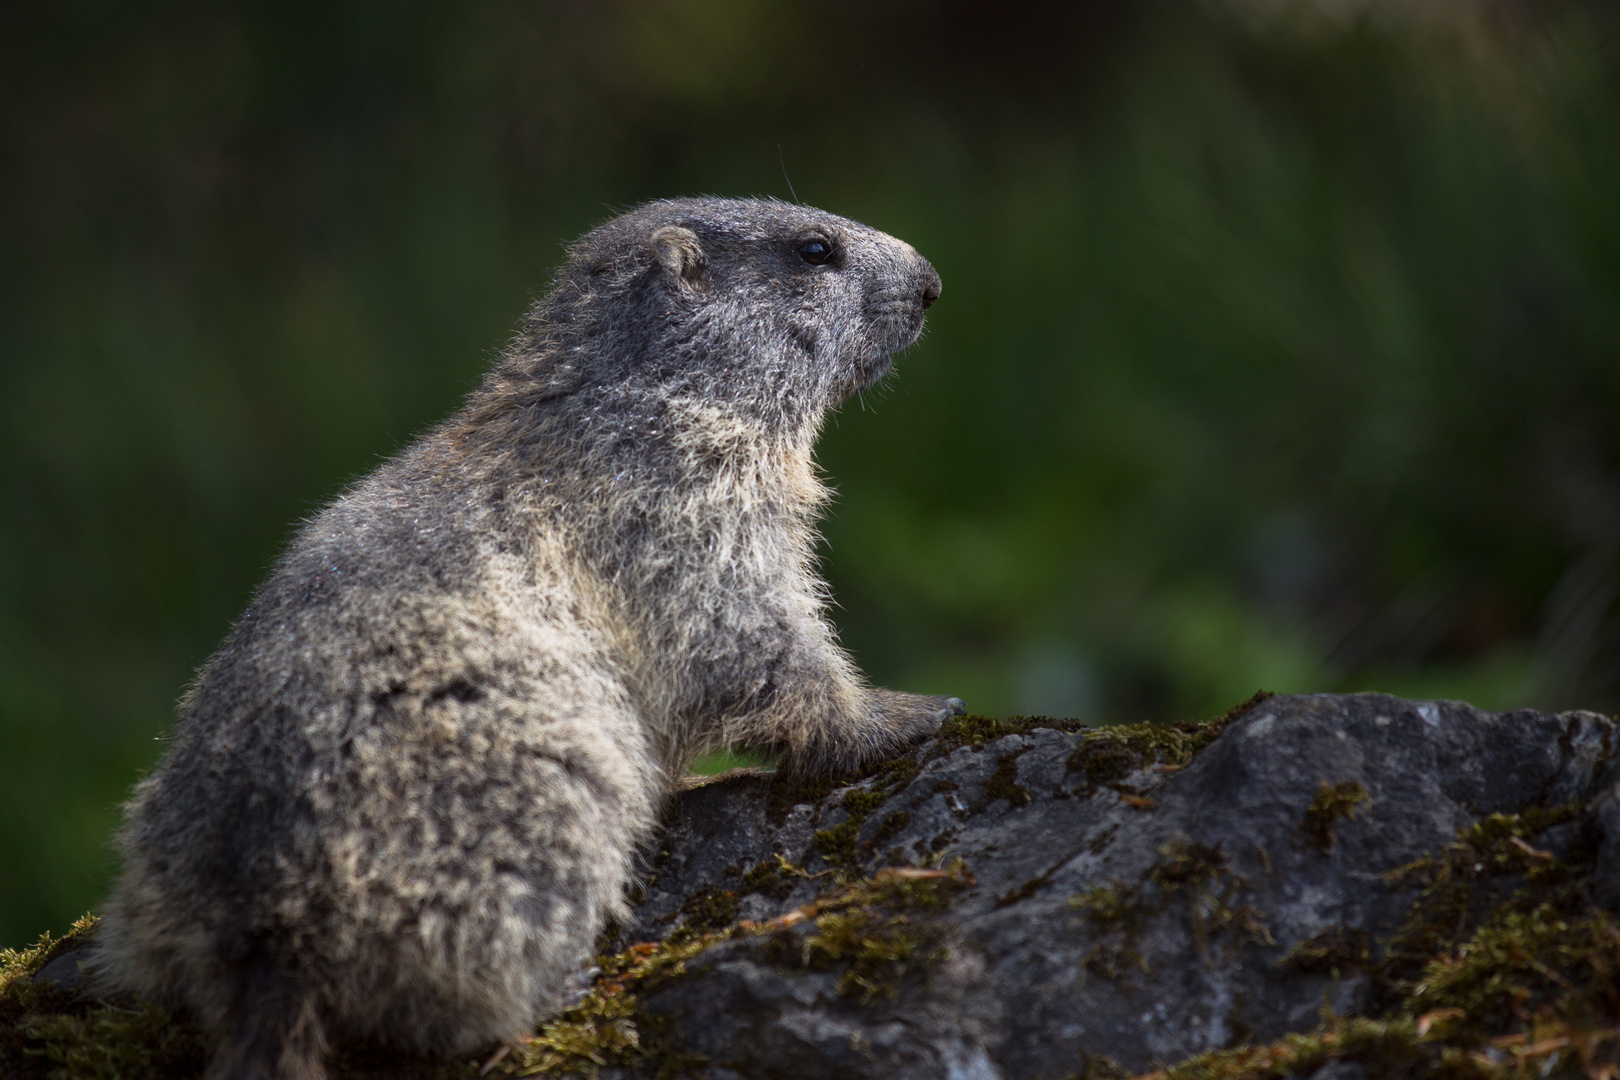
x: 1264, y: 358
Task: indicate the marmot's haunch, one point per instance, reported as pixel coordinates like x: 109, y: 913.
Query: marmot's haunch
x: 407, y: 790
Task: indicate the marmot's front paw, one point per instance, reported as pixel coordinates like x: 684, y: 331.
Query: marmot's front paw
x: 917, y: 716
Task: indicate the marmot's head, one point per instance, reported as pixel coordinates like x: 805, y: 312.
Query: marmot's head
x: 779, y: 310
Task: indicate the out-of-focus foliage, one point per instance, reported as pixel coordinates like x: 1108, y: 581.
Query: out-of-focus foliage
x: 1273, y: 351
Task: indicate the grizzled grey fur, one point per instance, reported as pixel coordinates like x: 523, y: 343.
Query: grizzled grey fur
x: 405, y: 793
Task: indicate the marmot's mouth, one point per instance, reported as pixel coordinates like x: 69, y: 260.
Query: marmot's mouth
x: 897, y: 324
x: 893, y: 326
x: 868, y: 372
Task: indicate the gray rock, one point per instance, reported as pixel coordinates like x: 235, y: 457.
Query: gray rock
x: 65, y: 972
x: 1119, y: 915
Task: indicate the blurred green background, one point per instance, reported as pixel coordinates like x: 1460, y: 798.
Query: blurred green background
x: 1279, y: 347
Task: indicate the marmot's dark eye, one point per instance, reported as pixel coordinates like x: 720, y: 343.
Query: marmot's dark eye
x: 815, y: 251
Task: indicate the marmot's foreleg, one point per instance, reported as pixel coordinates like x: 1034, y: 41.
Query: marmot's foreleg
x: 821, y: 716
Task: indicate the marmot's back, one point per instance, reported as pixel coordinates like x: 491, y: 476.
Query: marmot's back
x: 406, y: 792
x: 355, y: 765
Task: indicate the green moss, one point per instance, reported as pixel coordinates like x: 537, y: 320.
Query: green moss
x: 900, y: 773
x: 1104, y: 758
x: 875, y: 952
x: 1108, y: 755
x: 1502, y: 928
x: 1099, y: 1067
x: 1389, y: 1049
x: 1331, y: 951
x: 1190, y: 876
x: 1332, y: 802
x: 837, y: 844
x: 1003, y: 783
x: 607, y: 1026
x: 1115, y: 915
x: 864, y: 929
x: 1026, y: 890
x: 774, y: 876
x: 1109, y: 906
x: 1198, y: 874
x: 976, y: 731
x: 1504, y: 969
x: 1514, y: 964
x: 890, y: 827
x: 1491, y: 863
x: 111, y: 1043
x: 860, y: 803
x: 789, y: 790
x: 707, y: 910
x: 17, y: 965
x: 1410, y: 1049
x: 1172, y: 743
x: 869, y: 934
x: 46, y: 1031
x: 1185, y: 865
x: 47, y: 1034
x: 1234, y: 712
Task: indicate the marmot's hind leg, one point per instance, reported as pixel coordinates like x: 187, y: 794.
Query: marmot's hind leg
x: 273, y: 1028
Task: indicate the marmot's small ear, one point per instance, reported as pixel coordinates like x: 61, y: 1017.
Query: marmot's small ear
x: 679, y: 253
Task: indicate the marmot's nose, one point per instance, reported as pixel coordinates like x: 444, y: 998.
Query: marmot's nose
x: 930, y: 284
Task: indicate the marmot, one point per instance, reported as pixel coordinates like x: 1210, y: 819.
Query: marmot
x: 406, y: 792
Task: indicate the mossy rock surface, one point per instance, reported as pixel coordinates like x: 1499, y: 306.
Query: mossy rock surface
x: 1334, y: 887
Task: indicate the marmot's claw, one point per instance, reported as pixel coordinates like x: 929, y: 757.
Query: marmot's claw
x: 577, y: 984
